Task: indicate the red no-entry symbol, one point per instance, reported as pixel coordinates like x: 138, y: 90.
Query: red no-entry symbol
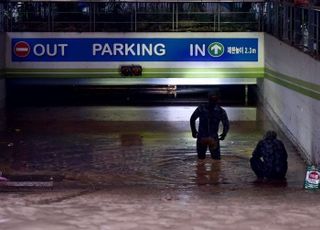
x: 314, y: 175
x: 21, y: 49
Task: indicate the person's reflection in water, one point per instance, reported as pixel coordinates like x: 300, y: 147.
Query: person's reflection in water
x: 208, y: 173
x: 129, y: 161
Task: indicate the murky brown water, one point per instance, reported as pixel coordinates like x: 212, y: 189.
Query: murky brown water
x: 136, y: 174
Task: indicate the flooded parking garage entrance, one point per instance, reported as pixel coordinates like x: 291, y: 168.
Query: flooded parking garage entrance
x: 125, y: 167
x: 88, y: 164
x: 135, y: 167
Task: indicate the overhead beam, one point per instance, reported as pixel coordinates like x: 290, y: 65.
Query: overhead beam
x: 158, y: 1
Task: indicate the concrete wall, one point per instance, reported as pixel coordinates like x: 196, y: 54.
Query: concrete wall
x: 2, y: 63
x: 291, y: 93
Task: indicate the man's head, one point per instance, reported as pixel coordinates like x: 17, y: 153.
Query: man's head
x: 213, y: 96
x: 270, y: 134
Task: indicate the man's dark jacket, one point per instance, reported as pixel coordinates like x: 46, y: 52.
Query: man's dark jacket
x: 209, y: 118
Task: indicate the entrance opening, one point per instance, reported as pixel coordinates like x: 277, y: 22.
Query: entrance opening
x: 45, y: 95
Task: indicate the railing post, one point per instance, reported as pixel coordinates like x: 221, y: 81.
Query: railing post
x: 135, y: 16
x: 173, y: 13
x: 92, y: 17
x: 177, y: 16
x: 275, y: 19
x: 291, y: 28
x: 318, y: 32
x: 218, y: 21
x: 51, y: 17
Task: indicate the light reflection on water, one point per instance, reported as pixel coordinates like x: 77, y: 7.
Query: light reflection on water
x: 154, y: 153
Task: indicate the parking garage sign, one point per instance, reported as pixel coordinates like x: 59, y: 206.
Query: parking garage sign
x: 135, y: 49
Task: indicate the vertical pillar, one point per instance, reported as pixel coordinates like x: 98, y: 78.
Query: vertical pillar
x: 2, y: 79
x: 2, y: 66
x: 2, y: 58
x: 246, y: 95
x: 2, y: 82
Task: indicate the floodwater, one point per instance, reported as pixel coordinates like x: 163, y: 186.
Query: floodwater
x: 136, y: 168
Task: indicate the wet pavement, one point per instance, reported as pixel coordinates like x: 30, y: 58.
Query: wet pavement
x: 136, y: 168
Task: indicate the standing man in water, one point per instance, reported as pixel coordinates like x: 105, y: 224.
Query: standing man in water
x: 210, y: 115
x: 269, y: 158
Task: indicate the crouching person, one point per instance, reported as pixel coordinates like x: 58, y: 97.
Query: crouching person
x: 269, y: 158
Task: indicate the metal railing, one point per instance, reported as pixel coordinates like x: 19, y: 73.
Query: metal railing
x: 297, y: 25
x: 132, y: 16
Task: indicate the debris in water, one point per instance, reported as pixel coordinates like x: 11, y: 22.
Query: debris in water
x: 27, y: 183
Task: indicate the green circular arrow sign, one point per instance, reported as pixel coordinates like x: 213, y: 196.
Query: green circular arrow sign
x: 216, y: 49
